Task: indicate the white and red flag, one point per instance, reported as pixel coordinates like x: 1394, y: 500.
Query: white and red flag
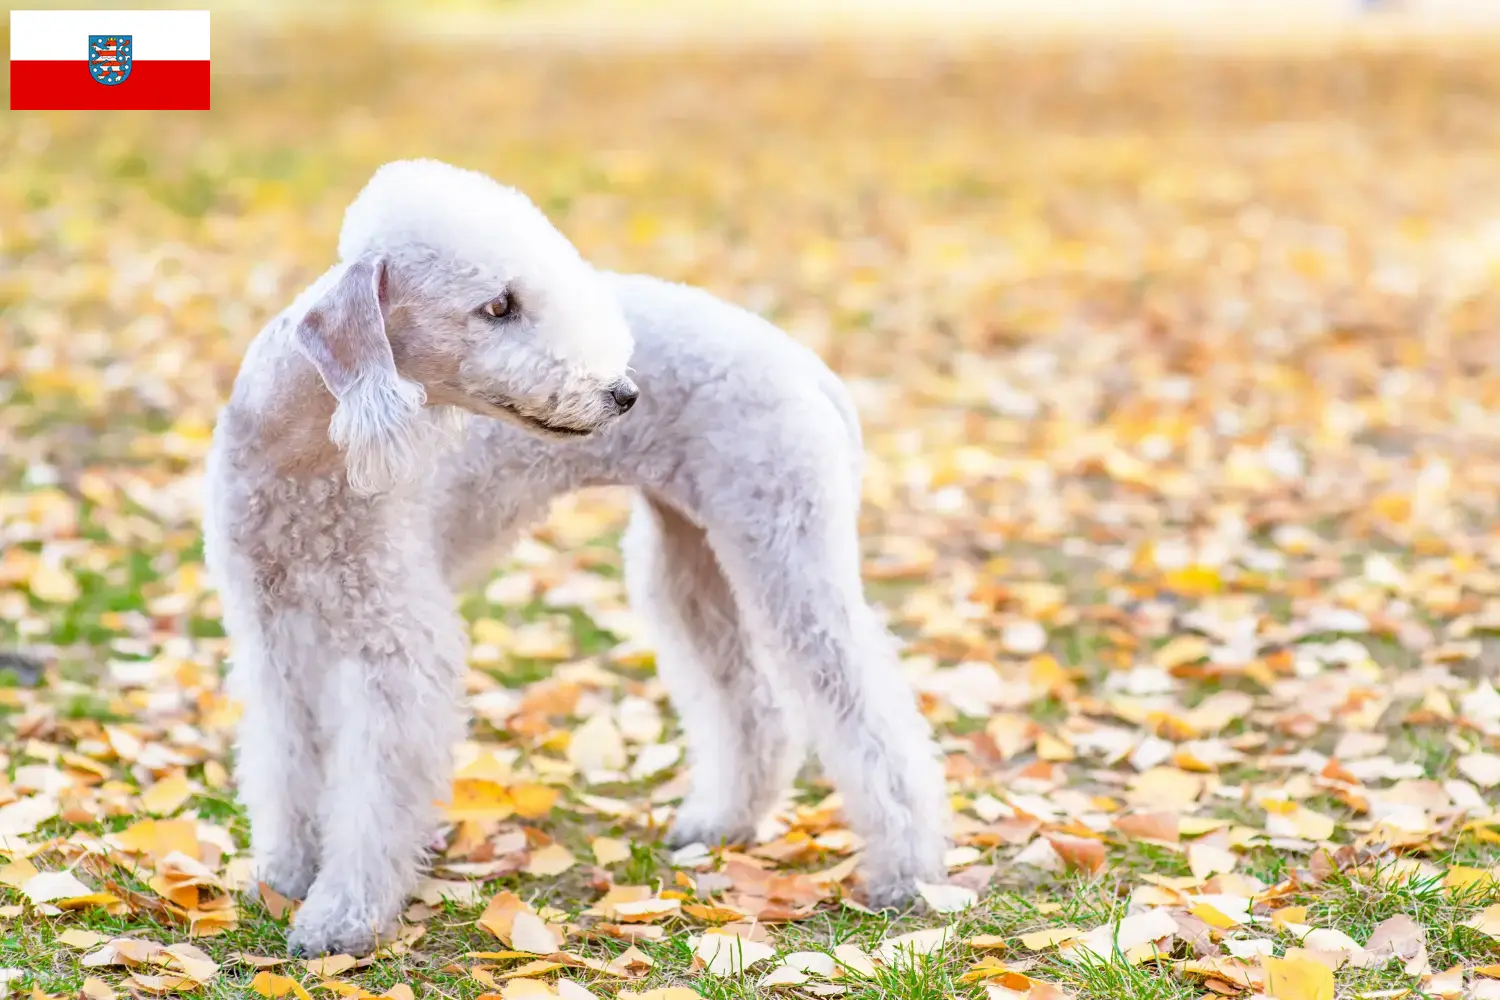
x: 100, y: 59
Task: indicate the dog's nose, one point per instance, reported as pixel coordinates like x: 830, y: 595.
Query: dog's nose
x: 624, y: 394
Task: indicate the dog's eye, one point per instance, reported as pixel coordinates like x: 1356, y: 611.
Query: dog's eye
x: 502, y: 306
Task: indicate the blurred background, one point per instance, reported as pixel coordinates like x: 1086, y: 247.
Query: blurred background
x: 1048, y: 242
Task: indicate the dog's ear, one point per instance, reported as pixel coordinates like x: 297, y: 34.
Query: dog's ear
x: 344, y: 337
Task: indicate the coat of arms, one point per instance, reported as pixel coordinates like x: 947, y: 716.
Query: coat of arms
x: 110, y: 58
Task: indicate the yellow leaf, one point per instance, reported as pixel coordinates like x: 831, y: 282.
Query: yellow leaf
x: 1462, y: 878
x: 167, y: 796
x: 1486, y: 921
x: 1298, y: 978
x: 53, y: 584
x: 1050, y: 938
x: 712, y: 913
x: 77, y: 937
x: 275, y: 903
x: 329, y: 966
x: 553, y: 859
x: 479, y: 799
x: 608, y: 851
x: 17, y: 872
x: 1214, y: 917
x: 268, y: 984
x: 97, y: 989
x: 990, y: 942
x: 518, y: 988
x: 1446, y: 984
x: 157, y: 838
x: 1182, y: 650
x: 533, y: 801
x: 1289, y: 915
x: 500, y: 914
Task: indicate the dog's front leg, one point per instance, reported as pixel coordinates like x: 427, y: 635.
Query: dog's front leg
x: 277, y: 764
x: 390, y: 722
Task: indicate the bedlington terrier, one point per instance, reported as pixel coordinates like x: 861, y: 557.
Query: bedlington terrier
x: 352, y: 492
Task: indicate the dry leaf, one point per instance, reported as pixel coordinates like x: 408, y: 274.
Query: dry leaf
x: 329, y: 966
x: 167, y: 796
x: 1130, y: 933
x: 1297, y: 978
x: 729, y: 954
x: 1049, y: 938
x: 47, y: 887
x: 529, y: 933
x: 268, y: 984
x: 549, y: 861
x: 97, y: 989
x: 904, y: 947
x: 608, y: 851
x: 947, y: 898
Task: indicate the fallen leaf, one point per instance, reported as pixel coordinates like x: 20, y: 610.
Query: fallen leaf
x: 329, y: 966
x: 1486, y: 921
x: 97, y: 989
x: 1297, y: 979
x: 529, y: 933
x: 1205, y: 860
x: 549, y: 861
x: 904, y: 947
x: 268, y: 984
x: 1103, y: 943
x: 167, y: 796
x: 45, y: 887
x: 1081, y: 853
x: 608, y: 851
x: 77, y: 937
x: 730, y: 955
x: 945, y: 898
x: 1049, y: 938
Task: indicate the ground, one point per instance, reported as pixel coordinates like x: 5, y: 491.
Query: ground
x: 1177, y: 370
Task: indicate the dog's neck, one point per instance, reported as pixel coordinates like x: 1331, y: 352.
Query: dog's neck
x: 287, y: 419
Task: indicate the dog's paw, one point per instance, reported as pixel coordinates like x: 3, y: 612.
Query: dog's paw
x: 313, y: 940
x: 689, y: 829
x: 891, y: 876
x: 890, y: 894
x: 328, y: 925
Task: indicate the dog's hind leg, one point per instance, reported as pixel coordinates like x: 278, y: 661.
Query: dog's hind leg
x: 796, y: 571
x: 742, y: 751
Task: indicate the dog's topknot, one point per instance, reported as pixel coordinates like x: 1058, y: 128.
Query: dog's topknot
x: 456, y: 212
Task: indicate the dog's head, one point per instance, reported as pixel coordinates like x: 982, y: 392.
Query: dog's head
x: 455, y: 290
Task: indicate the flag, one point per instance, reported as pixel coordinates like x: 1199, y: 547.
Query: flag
x: 104, y: 59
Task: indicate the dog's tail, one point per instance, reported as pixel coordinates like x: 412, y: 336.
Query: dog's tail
x: 837, y: 393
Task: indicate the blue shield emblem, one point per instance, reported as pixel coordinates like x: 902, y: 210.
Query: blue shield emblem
x: 110, y: 58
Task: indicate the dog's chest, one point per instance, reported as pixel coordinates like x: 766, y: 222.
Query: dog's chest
x: 315, y: 544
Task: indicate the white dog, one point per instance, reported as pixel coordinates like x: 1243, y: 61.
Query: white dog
x: 345, y: 510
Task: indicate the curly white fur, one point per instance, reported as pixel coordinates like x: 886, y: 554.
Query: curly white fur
x: 375, y: 424
x: 338, y: 564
